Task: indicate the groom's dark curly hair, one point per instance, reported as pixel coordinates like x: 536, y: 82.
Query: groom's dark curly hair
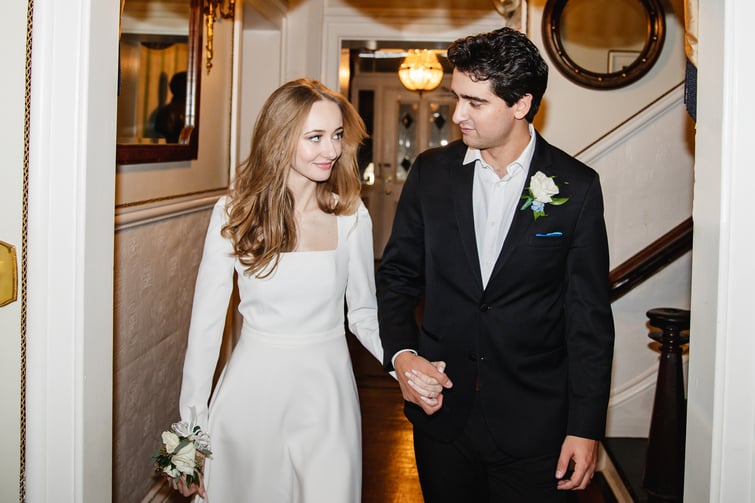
x: 508, y: 59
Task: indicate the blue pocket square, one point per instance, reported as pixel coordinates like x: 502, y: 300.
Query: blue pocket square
x: 550, y: 235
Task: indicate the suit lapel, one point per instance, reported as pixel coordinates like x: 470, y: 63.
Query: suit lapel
x: 463, y: 178
x: 523, y: 220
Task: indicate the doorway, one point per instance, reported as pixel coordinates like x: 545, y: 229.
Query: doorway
x: 400, y: 123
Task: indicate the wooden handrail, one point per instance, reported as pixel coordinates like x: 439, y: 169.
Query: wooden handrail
x: 651, y: 259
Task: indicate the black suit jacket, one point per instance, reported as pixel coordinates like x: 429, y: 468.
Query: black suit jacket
x: 538, y: 340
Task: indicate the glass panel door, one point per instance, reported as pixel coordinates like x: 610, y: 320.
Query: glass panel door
x: 401, y: 124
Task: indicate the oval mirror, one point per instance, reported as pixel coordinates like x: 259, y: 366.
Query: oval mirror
x: 603, y: 45
x: 160, y: 57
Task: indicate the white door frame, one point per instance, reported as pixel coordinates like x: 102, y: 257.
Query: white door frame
x: 70, y: 243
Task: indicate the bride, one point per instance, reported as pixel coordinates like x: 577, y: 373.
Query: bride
x: 296, y: 238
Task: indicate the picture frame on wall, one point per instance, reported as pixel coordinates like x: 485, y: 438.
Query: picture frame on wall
x: 618, y: 60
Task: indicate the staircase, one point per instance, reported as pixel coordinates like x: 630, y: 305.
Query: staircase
x: 652, y: 469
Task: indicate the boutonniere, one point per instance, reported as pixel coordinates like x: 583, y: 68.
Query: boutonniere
x: 540, y: 192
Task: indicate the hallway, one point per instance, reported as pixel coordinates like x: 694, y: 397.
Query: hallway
x: 390, y: 474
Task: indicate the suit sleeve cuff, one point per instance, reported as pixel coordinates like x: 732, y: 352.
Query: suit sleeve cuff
x: 393, y: 360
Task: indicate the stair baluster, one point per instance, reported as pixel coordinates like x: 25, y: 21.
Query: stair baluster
x: 664, y: 462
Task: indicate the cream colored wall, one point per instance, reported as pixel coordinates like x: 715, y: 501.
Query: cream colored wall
x: 646, y: 175
x: 573, y: 117
x: 303, y: 39
x: 260, y: 71
x: 11, y: 190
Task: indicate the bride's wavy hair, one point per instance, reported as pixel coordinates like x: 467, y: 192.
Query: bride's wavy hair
x: 260, y: 208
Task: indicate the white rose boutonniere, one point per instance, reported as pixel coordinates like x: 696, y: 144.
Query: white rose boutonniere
x: 182, y: 453
x: 540, y: 192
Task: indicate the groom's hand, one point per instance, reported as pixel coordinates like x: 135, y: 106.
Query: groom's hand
x: 582, y: 453
x: 421, y: 381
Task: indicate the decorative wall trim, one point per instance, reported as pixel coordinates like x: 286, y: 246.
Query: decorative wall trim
x: 639, y: 121
x: 127, y: 217
x: 24, y: 253
x: 636, y: 386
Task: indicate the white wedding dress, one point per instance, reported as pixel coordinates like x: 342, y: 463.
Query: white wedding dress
x: 284, y: 418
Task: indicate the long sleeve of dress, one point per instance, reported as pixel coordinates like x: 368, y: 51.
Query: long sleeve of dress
x: 360, y: 287
x: 211, y: 296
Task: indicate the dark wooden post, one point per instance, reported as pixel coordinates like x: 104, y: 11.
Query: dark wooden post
x: 664, y: 461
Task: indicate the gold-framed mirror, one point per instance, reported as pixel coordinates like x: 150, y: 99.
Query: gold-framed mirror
x: 603, y: 45
x: 160, y: 58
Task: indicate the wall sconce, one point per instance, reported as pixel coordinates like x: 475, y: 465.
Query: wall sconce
x: 506, y: 8
x: 214, y: 9
x: 420, y: 71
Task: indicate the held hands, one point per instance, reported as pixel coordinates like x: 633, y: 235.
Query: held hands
x: 583, y: 452
x: 422, y: 382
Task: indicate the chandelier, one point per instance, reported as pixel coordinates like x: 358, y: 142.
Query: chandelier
x: 420, y: 71
x: 214, y: 9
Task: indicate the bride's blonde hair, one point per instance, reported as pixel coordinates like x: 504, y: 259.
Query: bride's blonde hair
x: 261, y: 221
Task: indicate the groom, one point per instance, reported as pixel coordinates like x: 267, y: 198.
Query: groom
x: 504, y: 236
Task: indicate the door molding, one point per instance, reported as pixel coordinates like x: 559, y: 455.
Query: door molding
x: 349, y: 24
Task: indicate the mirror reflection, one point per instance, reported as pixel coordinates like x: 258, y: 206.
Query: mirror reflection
x: 603, y: 45
x: 154, y: 55
x: 593, y: 35
x: 160, y: 54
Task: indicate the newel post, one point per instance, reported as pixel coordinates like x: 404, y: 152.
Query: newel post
x: 664, y: 461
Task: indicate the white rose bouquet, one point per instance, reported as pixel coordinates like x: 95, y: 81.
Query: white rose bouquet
x: 183, y: 451
x: 540, y: 192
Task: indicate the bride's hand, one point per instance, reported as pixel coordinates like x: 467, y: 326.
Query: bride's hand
x: 428, y: 387
x: 180, y: 486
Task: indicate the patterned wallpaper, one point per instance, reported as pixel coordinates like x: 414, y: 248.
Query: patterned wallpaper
x: 155, y: 269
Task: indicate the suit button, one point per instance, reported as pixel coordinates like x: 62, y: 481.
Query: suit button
x: 472, y: 356
x: 485, y: 307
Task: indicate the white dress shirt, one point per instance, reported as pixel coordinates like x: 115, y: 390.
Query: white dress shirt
x: 494, y: 201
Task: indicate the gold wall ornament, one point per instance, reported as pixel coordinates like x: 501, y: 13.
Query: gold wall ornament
x: 8, y: 274
x: 420, y: 71
x: 214, y: 9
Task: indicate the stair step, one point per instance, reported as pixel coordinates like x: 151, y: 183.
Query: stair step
x: 628, y: 457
